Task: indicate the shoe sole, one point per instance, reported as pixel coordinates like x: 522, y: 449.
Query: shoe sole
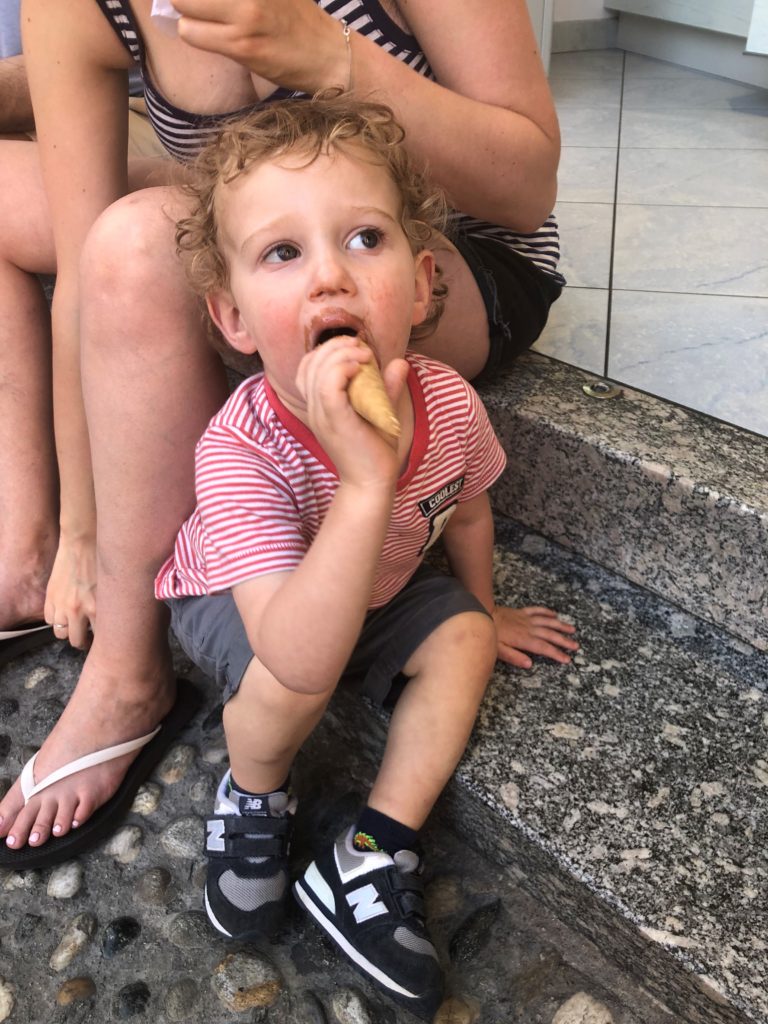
x: 305, y: 898
x: 212, y: 917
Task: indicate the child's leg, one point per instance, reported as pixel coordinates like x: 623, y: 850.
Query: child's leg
x: 265, y: 725
x: 368, y: 900
x: 248, y: 837
x: 434, y: 716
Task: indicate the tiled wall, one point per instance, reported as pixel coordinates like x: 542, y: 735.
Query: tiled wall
x: 663, y: 208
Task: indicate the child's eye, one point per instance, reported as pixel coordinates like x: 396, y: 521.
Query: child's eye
x: 366, y: 238
x: 283, y: 252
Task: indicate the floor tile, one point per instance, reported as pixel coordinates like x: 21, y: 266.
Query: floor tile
x: 713, y: 250
x: 586, y: 63
x: 585, y: 243
x: 575, y: 332
x: 706, y: 352
x: 587, y: 175
x: 573, y: 91
x: 589, y: 126
x: 637, y: 65
x: 694, y: 177
x: 687, y: 129
x: 697, y: 92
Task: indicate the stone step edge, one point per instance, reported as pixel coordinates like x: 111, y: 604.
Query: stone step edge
x: 668, y: 498
x: 671, y: 976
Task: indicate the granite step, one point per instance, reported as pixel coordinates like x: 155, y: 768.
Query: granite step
x: 669, y: 498
x: 629, y: 790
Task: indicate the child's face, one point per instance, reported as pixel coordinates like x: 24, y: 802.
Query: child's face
x: 312, y: 248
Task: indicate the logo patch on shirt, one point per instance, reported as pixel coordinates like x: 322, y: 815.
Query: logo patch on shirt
x: 436, y: 501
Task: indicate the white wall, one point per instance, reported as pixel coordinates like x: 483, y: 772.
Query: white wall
x: 580, y: 10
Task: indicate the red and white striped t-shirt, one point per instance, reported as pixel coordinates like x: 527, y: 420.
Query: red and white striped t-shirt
x: 264, y: 485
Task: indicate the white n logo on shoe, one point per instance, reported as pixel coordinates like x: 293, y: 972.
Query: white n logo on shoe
x: 365, y: 903
x: 215, y: 838
x: 252, y: 803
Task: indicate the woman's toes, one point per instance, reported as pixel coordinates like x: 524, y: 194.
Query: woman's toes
x: 83, y: 809
x: 10, y: 806
x: 39, y: 833
x: 64, y: 815
x: 22, y: 826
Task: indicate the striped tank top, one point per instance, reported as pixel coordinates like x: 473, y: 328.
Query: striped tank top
x: 183, y: 133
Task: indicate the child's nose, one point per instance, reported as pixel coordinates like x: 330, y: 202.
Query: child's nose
x: 331, y: 275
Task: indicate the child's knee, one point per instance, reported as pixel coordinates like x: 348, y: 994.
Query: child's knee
x: 260, y: 687
x: 465, y: 642
x: 474, y: 634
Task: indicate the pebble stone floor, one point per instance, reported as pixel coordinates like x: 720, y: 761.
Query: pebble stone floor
x: 120, y: 934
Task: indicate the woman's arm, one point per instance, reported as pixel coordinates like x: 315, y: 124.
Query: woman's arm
x: 488, y: 132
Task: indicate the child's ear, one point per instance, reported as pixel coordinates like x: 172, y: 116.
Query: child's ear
x: 425, y: 275
x: 226, y: 316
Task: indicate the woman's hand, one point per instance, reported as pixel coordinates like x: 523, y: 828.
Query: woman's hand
x: 292, y: 43
x: 70, y: 600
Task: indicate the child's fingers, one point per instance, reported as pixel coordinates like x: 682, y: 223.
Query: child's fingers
x: 533, y: 646
x: 554, y: 637
x: 547, y: 617
x: 395, y: 375
x: 324, y: 373
x: 514, y: 657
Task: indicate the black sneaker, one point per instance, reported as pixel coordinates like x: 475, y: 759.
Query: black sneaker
x: 247, y: 848
x: 372, y: 906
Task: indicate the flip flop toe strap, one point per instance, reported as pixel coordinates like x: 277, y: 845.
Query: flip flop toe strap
x: 14, y: 634
x: 30, y: 788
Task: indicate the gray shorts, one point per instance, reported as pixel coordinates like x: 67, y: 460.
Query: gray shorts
x: 211, y: 632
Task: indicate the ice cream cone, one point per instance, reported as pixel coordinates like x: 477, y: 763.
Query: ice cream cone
x: 369, y: 398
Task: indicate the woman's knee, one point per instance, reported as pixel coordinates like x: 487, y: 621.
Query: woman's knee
x: 127, y: 245
x: 136, y: 304
x: 26, y: 239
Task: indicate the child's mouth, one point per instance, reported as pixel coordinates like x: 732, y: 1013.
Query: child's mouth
x: 334, y: 332
x: 330, y: 324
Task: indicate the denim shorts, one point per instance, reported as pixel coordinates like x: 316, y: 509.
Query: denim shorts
x: 517, y: 296
x: 212, y: 634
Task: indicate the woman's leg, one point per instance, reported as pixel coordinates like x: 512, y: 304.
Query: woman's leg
x: 461, y: 336
x: 151, y: 382
x: 28, y: 480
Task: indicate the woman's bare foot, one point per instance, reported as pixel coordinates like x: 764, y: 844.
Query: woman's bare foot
x: 70, y: 600
x: 104, y: 709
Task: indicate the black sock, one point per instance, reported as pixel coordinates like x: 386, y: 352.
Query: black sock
x: 377, y: 831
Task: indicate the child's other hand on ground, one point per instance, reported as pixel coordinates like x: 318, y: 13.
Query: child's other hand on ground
x: 524, y: 631
x: 359, y: 452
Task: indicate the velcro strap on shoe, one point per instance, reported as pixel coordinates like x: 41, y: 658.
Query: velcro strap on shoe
x: 234, y: 836
x: 408, y: 892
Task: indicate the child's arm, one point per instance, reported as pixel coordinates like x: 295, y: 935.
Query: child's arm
x: 468, y: 538
x: 303, y: 624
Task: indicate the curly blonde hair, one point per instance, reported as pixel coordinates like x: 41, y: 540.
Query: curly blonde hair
x: 330, y: 121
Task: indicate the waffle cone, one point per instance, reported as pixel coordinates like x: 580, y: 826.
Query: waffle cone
x: 369, y: 398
